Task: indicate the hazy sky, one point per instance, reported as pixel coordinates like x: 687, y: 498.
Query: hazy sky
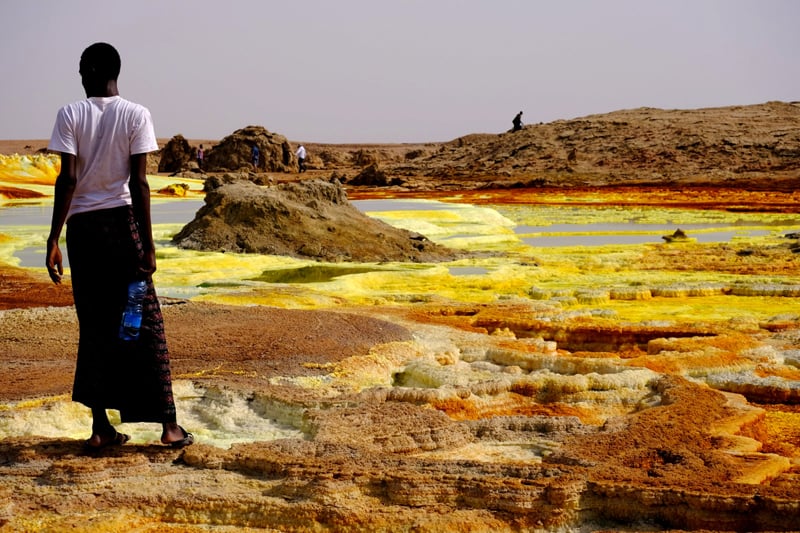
x: 395, y: 71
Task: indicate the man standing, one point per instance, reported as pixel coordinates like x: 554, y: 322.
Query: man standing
x: 254, y: 156
x: 102, y: 195
x: 301, y: 158
x: 200, y: 156
x: 517, y: 122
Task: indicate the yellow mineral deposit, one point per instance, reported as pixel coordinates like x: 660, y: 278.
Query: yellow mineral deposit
x: 540, y: 387
x: 39, y: 170
x: 30, y: 178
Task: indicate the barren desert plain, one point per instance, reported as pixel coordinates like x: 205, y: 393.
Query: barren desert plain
x: 616, y: 348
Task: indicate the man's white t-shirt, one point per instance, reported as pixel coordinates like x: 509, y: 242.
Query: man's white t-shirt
x: 103, y: 133
x: 301, y: 152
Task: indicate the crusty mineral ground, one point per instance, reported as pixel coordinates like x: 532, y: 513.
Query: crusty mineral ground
x: 439, y: 416
x: 396, y: 439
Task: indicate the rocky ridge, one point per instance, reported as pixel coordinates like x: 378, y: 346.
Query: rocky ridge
x: 754, y: 146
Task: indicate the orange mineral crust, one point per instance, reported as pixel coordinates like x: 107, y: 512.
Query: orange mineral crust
x: 731, y: 199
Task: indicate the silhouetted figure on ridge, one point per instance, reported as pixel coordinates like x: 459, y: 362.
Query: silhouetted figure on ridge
x: 517, y: 122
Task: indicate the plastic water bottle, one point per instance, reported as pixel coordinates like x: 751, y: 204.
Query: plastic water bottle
x: 132, y: 315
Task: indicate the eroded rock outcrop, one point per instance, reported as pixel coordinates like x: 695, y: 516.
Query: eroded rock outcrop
x: 311, y: 219
x: 176, y: 155
x: 234, y: 151
x: 373, y: 176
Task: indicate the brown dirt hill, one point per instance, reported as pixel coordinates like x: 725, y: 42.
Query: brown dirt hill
x: 755, y: 145
x: 307, y: 219
x: 638, y: 146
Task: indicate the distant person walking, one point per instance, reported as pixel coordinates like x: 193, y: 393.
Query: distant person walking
x: 517, y: 122
x: 102, y: 195
x: 301, y: 158
x: 200, y: 157
x: 254, y: 156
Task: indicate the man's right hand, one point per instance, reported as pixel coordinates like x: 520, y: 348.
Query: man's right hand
x: 147, y: 265
x: 54, y: 262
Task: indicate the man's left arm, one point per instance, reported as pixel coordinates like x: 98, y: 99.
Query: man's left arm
x: 140, y: 198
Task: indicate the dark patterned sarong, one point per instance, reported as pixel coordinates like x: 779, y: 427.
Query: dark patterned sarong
x: 131, y: 376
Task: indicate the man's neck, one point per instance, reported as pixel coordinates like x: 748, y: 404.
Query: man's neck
x: 109, y: 89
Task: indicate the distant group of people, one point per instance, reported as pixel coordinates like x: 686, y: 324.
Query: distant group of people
x: 302, y: 154
x: 255, y: 155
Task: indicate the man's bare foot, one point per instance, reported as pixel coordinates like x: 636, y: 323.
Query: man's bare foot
x: 175, y: 436
x: 102, y: 440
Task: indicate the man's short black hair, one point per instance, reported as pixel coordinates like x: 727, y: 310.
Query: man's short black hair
x: 100, y: 61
